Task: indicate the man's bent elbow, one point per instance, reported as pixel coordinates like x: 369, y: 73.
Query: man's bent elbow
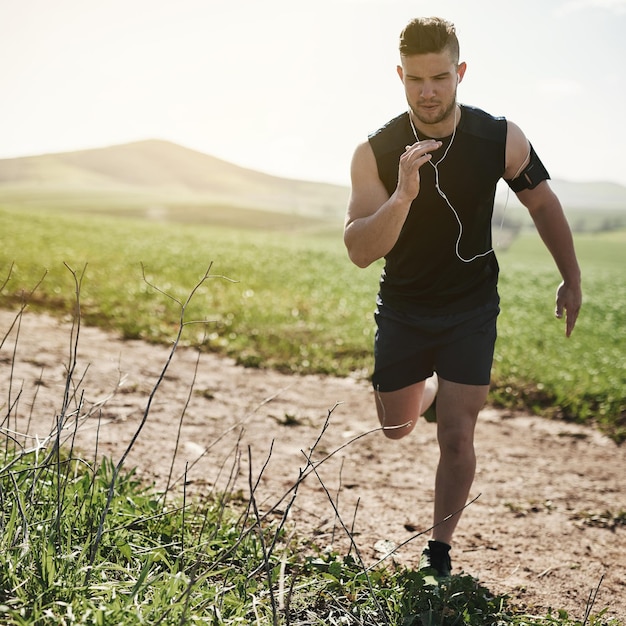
x: 359, y: 257
x: 360, y: 260
x: 356, y: 253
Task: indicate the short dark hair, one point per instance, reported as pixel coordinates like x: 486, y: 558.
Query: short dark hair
x: 429, y: 34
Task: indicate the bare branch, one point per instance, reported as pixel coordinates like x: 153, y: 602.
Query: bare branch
x: 144, y: 419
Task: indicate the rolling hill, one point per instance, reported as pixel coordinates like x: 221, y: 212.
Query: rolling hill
x: 159, y: 175
x: 162, y: 180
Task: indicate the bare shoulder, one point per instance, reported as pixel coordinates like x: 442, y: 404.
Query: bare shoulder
x: 517, y: 150
x: 515, y: 135
x: 363, y: 160
x: 368, y: 193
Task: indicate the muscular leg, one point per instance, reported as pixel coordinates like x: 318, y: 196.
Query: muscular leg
x: 398, y: 411
x: 457, y: 410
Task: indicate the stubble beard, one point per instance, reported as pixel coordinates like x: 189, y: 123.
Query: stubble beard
x: 438, y: 118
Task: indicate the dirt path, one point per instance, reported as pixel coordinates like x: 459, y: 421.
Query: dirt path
x: 539, y: 484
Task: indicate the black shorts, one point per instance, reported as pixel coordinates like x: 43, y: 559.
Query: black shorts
x: 409, y: 348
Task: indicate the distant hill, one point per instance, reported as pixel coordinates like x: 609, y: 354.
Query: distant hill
x: 162, y: 180
x: 589, y: 206
x: 160, y: 171
x: 593, y: 196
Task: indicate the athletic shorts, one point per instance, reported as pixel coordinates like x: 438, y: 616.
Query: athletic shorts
x: 409, y: 348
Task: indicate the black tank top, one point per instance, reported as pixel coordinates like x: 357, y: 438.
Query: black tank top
x: 422, y: 272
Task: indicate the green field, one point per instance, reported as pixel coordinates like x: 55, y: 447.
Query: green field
x: 291, y: 300
x: 85, y: 543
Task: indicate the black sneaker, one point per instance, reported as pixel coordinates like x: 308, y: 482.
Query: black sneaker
x: 436, y: 556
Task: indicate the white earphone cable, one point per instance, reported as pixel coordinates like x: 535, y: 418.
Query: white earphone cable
x: 435, y: 166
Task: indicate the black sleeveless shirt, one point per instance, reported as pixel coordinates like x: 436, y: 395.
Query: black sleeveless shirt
x: 423, y: 273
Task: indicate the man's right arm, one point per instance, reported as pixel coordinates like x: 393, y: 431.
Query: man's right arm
x: 374, y: 219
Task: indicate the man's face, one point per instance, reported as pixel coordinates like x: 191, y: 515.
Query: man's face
x: 430, y: 83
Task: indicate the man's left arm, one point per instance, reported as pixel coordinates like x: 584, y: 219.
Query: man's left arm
x: 547, y: 214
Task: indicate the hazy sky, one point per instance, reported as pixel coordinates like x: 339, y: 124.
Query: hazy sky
x: 290, y: 87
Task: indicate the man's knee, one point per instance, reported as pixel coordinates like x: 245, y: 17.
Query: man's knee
x: 456, y: 441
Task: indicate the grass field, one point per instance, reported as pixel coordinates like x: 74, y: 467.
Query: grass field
x: 85, y: 543
x: 584, y: 377
x: 293, y: 301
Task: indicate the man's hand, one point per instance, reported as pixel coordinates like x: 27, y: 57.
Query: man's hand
x: 568, y: 300
x: 410, y: 162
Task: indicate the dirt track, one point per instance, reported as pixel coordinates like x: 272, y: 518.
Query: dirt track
x: 540, y: 529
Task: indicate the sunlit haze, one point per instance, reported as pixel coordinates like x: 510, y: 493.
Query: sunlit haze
x: 290, y: 87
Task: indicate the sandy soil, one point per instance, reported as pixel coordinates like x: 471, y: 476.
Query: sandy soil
x: 547, y: 492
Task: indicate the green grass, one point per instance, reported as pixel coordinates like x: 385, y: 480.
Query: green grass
x: 85, y: 543
x: 582, y: 378
x: 288, y: 301
x: 294, y: 302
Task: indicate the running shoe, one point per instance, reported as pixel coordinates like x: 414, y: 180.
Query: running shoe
x: 436, y: 556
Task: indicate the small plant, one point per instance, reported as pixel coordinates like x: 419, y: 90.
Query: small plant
x: 289, y: 419
x: 601, y: 519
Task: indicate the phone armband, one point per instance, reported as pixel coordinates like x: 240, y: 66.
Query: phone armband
x: 531, y: 175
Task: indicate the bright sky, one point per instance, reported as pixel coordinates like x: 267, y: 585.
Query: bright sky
x: 290, y: 87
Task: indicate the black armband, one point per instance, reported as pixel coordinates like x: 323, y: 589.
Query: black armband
x: 531, y: 175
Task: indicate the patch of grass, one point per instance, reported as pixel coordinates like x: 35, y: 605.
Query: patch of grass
x: 286, y: 302
x: 601, y: 519
x: 154, y: 564
x: 211, y: 562
x: 582, y: 378
x: 522, y: 509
